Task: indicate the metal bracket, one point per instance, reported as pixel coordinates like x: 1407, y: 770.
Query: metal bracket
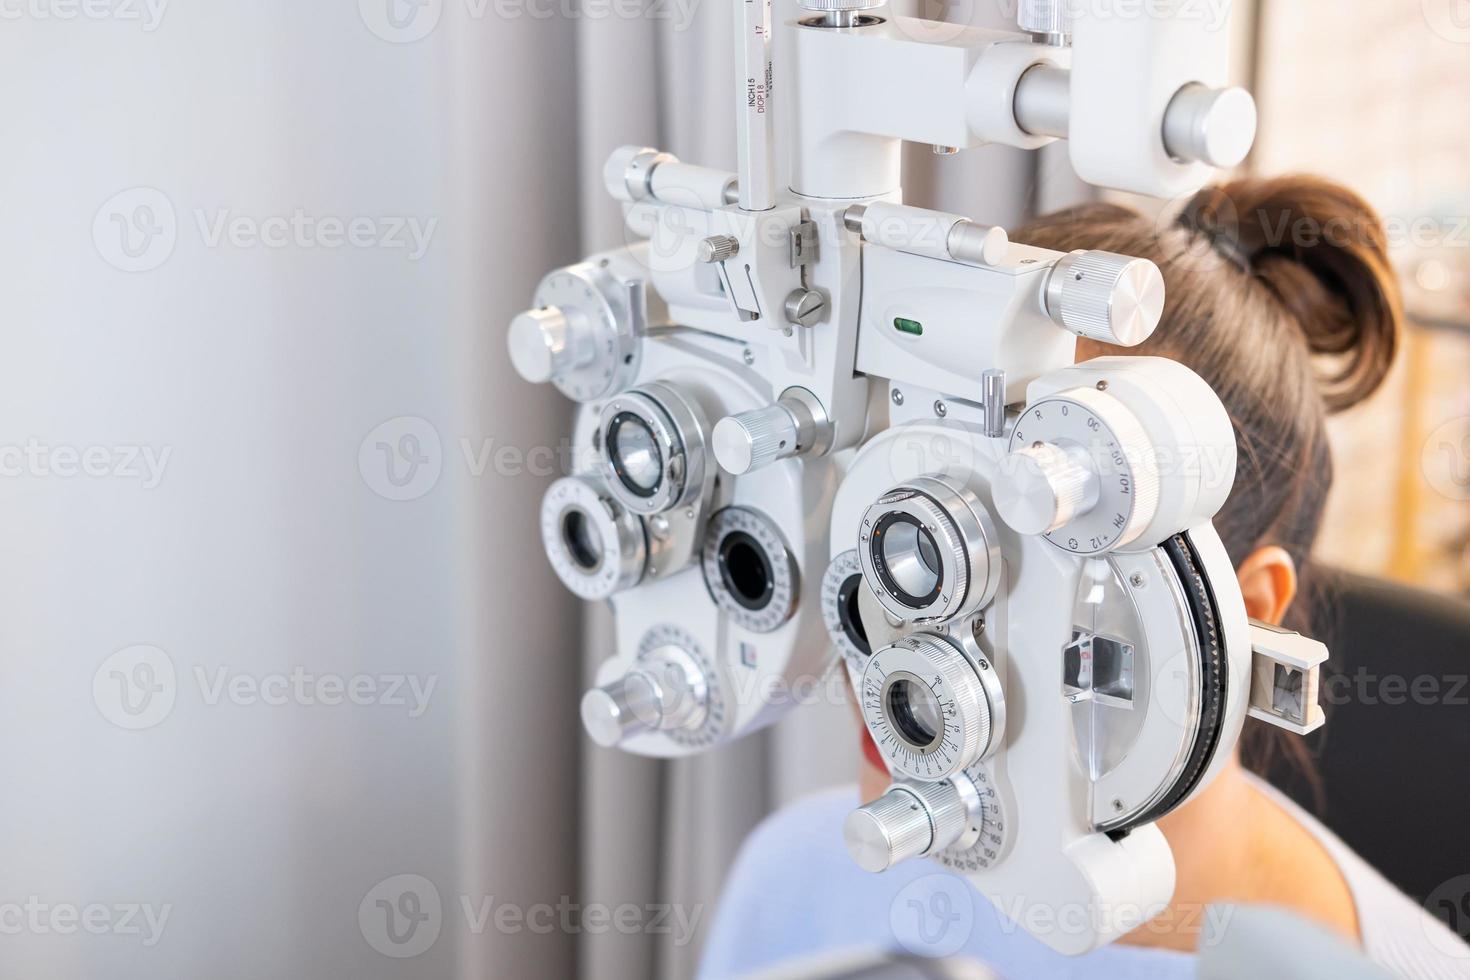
x: 1286, y: 676
x: 803, y: 244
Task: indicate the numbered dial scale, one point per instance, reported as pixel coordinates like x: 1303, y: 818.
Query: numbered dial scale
x: 841, y: 586
x: 984, y: 842
x: 1079, y: 472
x: 596, y: 332
x: 932, y: 710
x: 653, y: 653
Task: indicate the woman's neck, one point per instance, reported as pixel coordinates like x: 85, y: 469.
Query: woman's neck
x: 1234, y: 844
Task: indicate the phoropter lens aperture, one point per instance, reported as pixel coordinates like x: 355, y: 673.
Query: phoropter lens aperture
x: 914, y: 712
x: 907, y: 559
x: 581, y: 539
x: 745, y: 570
x: 633, y: 450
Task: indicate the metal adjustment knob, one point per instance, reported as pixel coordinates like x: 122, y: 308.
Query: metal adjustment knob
x: 1043, y: 487
x: 1209, y: 125
x: 797, y: 424
x: 1046, y: 17
x: 910, y: 820
x: 666, y: 691
x: 718, y: 248
x: 840, y: 5
x: 626, y: 707
x: 541, y: 344
x: 1111, y: 298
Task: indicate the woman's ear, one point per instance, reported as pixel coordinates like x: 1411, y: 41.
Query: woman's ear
x: 1267, y: 583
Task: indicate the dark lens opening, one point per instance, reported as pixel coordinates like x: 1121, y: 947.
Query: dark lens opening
x: 914, y: 713
x: 581, y: 541
x: 746, y: 570
x: 849, y: 615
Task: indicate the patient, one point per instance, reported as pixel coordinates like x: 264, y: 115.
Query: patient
x: 1281, y: 296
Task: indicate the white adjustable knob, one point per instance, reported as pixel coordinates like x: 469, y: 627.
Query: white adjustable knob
x: 624, y: 708
x: 541, y: 344
x: 909, y: 821
x: 667, y: 691
x: 796, y: 424
x: 1042, y: 487
x: 751, y: 440
x: 1111, y: 298
x: 1215, y: 126
x: 1044, y: 17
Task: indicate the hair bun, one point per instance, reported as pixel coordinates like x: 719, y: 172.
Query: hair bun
x: 1323, y: 252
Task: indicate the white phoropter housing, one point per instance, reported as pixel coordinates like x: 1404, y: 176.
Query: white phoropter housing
x: 1042, y: 625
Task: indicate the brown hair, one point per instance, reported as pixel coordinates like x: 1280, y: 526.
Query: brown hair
x: 1281, y: 296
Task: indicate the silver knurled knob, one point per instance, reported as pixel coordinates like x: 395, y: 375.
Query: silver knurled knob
x: 830, y: 5
x: 718, y: 248
x: 797, y: 423
x: 909, y: 821
x: 628, y: 706
x: 750, y: 440
x: 1111, y: 298
x: 1044, y: 17
x: 1042, y: 488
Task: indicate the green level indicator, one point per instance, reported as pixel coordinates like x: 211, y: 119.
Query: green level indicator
x: 908, y: 326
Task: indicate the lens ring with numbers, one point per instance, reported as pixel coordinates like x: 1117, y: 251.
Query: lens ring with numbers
x: 929, y: 551
x: 748, y: 569
x: 652, y: 443
x: 926, y: 707
x: 595, y: 546
x: 841, y: 587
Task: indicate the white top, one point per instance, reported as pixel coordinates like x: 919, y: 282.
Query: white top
x: 794, y: 893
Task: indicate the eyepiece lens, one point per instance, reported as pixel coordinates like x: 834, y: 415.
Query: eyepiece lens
x: 914, y: 713
x: 746, y: 571
x: 581, y: 540
x: 850, y: 615
x: 635, y: 454
x: 911, y: 560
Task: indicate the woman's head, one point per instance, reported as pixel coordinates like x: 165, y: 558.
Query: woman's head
x: 1281, y: 296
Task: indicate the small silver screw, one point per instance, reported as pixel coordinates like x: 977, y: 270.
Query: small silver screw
x: 1117, y: 806
x: 1136, y: 580
x: 897, y: 397
x: 1102, y: 386
x: 748, y: 355
x: 941, y: 409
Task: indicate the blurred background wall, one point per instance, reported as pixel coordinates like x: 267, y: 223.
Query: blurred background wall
x: 286, y: 686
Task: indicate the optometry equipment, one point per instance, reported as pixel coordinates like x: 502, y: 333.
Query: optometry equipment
x: 819, y: 410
